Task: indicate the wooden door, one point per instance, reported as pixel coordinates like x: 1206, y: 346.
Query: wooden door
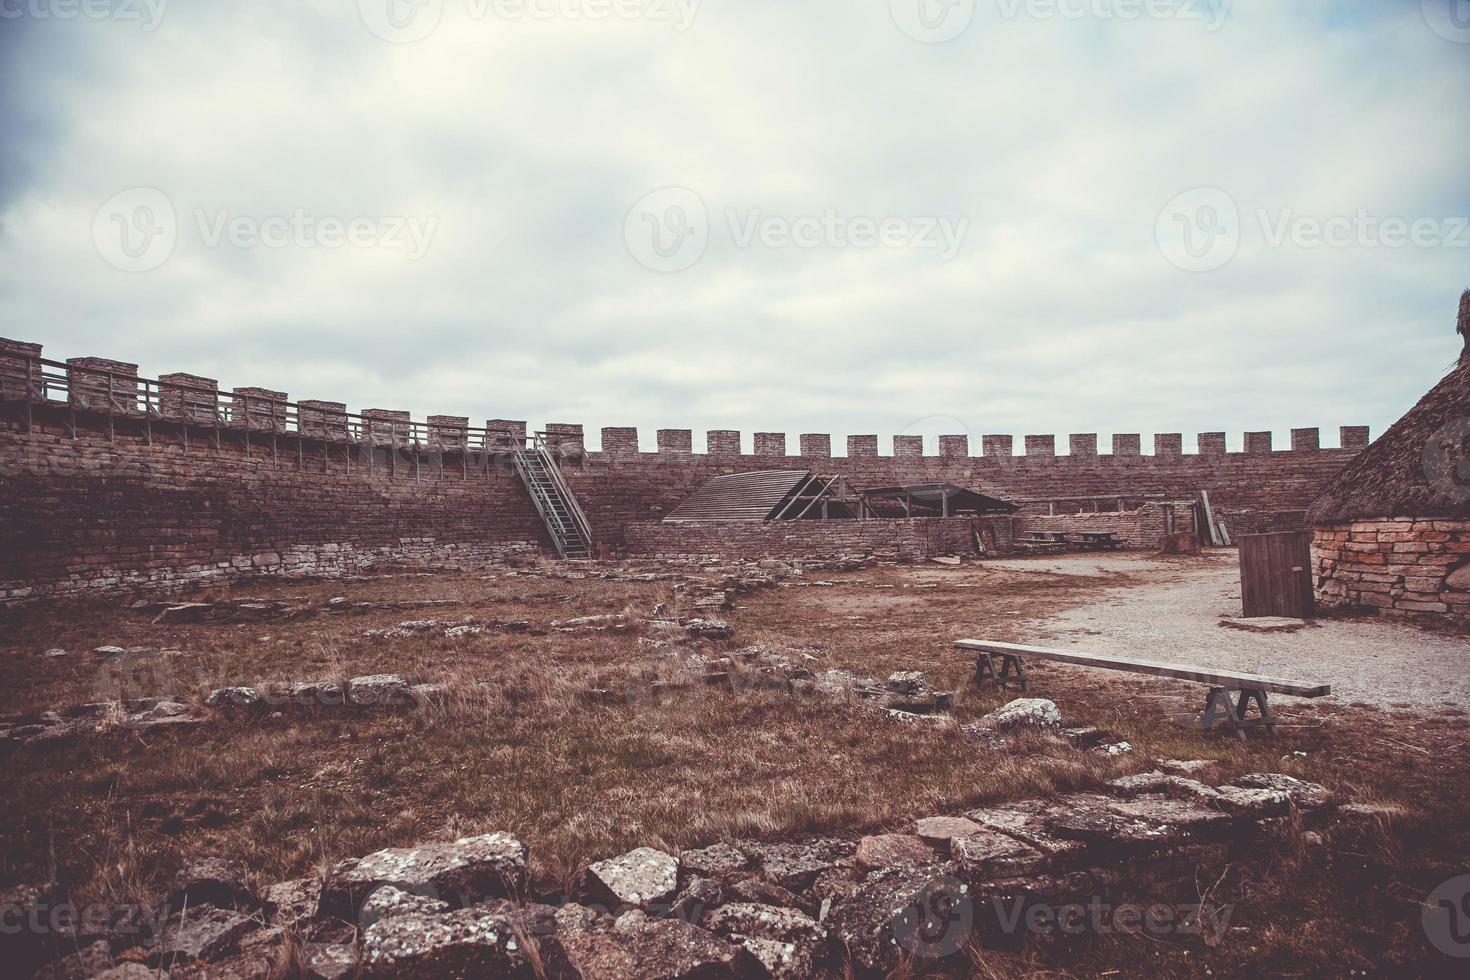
x: 1276, y: 575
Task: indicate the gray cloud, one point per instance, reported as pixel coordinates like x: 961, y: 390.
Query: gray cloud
x: 528, y: 142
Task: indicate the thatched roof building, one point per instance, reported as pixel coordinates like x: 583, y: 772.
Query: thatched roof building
x: 1412, y: 468
x: 1392, y: 532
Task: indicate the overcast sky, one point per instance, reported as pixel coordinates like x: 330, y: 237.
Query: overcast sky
x: 845, y: 216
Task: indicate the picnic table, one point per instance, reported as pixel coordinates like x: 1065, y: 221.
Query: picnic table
x: 1098, y: 540
x: 1219, y: 711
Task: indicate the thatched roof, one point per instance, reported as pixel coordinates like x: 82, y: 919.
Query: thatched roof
x: 1418, y: 468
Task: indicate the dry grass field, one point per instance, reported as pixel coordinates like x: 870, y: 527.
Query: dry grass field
x: 519, y: 745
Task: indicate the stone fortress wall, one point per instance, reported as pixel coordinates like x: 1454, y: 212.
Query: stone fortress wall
x: 110, y: 482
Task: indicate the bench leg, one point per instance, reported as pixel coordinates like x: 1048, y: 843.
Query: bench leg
x: 1219, y: 710
x: 1007, y: 663
x: 985, y: 670
x: 1266, y: 720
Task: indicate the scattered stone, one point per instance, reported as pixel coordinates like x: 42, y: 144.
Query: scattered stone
x: 1115, y: 748
x: 127, y: 971
x: 891, y: 910
x: 640, y: 878
x: 786, y: 942
x: 233, y: 697
x: 1191, y: 768
x: 940, y: 831
x: 329, y: 961
x: 1186, y: 817
x: 390, y: 900
x: 210, y: 881
x: 320, y: 694
x: 469, y: 629
x: 200, y: 933
x: 378, y: 691
x: 1304, y: 795
x: 891, y: 851
x: 639, y: 948
x: 468, y: 870
x: 1037, y: 713
x: 911, y: 718
x: 758, y: 891
x: 796, y: 866
x: 695, y: 898
x: 1252, y: 803
x: 479, y: 941
x: 907, y: 682
x: 186, y: 612
x: 289, y: 902
x: 55, y: 652
x: 109, y: 651
x: 987, y: 854
x: 1156, y: 782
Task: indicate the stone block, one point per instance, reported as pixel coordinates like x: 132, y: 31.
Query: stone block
x: 908, y: 447
x: 680, y: 441
x: 816, y: 444
x: 862, y: 447
x: 770, y: 444
x: 100, y: 384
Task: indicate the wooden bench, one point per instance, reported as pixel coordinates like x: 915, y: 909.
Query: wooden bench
x: 1219, y: 710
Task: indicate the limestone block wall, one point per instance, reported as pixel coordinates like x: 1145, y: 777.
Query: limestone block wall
x: 1396, y: 566
x: 912, y: 539
x: 1140, y: 528
x: 110, y: 480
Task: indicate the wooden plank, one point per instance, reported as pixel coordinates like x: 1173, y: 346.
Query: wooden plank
x: 1185, y: 672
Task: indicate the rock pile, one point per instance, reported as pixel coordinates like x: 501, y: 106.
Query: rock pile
x: 737, y: 909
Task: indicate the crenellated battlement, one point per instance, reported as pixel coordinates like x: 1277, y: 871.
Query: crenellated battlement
x: 89, y: 447
x: 102, y: 384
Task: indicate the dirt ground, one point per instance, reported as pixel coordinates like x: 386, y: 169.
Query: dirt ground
x: 519, y: 747
x: 1173, y: 612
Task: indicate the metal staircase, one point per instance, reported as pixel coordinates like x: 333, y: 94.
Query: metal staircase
x: 554, y: 501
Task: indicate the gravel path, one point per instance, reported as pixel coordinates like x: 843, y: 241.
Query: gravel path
x: 1174, y: 615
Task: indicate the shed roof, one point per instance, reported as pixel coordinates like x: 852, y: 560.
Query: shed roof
x: 751, y: 496
x: 960, y: 498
